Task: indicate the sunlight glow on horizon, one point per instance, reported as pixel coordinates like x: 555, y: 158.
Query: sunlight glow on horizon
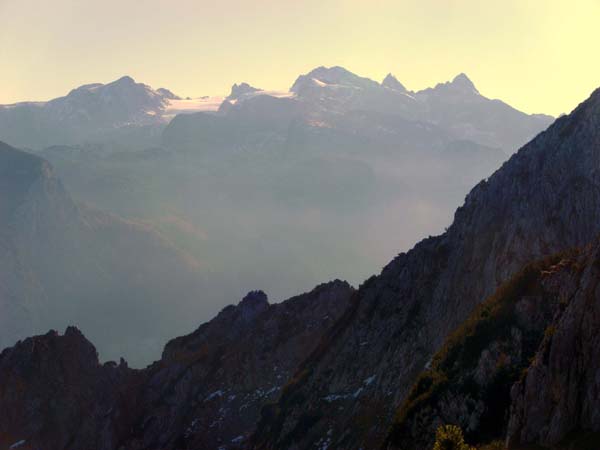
x: 538, y: 56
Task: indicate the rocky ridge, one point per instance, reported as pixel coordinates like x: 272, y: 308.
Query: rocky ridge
x: 205, y: 392
x: 542, y: 201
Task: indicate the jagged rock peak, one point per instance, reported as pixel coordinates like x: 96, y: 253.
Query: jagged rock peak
x: 463, y: 83
x: 73, y: 331
x: 126, y: 79
x: 253, y: 304
x: 391, y: 82
x: 333, y: 285
x: 72, y: 344
x: 238, y: 90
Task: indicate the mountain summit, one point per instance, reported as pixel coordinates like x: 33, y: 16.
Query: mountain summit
x: 331, y: 76
x: 239, y: 90
x: 463, y: 83
x: 90, y: 112
x: 390, y: 81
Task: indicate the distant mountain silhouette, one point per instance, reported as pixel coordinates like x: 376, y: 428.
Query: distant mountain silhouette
x: 87, y: 112
x: 119, y: 109
x: 64, y: 262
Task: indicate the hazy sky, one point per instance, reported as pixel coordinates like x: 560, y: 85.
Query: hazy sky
x: 540, y: 56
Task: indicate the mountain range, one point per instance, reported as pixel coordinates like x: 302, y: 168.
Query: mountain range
x: 490, y: 326
x: 281, y: 190
x: 328, y: 97
x: 260, y: 189
x: 121, y: 109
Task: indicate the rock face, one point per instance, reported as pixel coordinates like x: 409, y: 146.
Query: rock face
x: 523, y: 368
x: 67, y: 263
x: 209, y: 387
x: 55, y: 394
x: 545, y: 199
x: 557, y: 400
x: 468, y: 382
x: 205, y: 392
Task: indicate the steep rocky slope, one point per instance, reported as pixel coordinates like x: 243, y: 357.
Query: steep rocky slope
x: 468, y: 381
x: 556, y: 402
x: 205, y: 392
x: 543, y: 200
x: 63, y: 263
x: 522, y: 369
x: 55, y: 394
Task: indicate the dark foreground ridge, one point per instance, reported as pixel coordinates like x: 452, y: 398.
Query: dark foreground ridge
x: 205, y: 392
x: 544, y: 200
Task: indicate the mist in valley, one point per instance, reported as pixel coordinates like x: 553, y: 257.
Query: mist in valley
x: 271, y: 191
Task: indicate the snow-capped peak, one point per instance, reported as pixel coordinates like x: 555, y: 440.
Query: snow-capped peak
x: 331, y: 76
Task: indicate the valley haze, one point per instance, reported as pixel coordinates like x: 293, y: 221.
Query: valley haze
x: 260, y: 189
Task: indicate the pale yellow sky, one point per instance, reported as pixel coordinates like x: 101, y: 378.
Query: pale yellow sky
x: 538, y: 55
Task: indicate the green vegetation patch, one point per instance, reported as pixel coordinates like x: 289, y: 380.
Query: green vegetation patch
x: 452, y: 368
